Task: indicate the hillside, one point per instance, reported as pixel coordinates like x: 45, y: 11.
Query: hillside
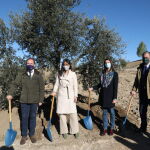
x: 133, y: 64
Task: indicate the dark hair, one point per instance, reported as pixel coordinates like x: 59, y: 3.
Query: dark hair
x: 112, y: 68
x: 62, y: 66
x: 146, y: 52
x: 30, y: 59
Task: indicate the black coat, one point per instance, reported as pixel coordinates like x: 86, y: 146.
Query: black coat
x: 109, y: 93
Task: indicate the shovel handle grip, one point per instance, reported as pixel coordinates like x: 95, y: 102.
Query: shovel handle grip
x: 51, y: 111
x: 9, y: 101
x: 129, y: 105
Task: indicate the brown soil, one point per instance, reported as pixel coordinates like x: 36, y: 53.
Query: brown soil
x: 126, y: 139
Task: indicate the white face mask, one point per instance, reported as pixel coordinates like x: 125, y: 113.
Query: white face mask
x: 66, y: 67
x: 108, y: 65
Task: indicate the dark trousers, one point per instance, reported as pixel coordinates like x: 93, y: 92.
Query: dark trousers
x: 143, y: 115
x: 28, y: 118
x: 144, y: 102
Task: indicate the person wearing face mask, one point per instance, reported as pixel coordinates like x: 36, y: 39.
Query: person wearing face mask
x: 32, y: 95
x: 142, y: 85
x: 66, y: 89
x: 107, y: 95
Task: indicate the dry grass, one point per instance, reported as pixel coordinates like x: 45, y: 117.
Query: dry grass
x: 133, y: 64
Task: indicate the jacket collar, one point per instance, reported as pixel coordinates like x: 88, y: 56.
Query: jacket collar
x: 35, y: 72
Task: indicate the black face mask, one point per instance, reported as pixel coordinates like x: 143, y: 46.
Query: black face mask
x: 29, y: 67
x: 145, y: 61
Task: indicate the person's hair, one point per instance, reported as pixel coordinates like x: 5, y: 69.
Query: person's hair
x: 62, y: 66
x: 30, y: 59
x: 146, y: 52
x: 112, y: 67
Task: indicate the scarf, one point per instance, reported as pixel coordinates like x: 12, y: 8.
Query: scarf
x: 106, y: 79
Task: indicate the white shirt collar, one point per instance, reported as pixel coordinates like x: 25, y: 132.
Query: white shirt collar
x: 148, y: 65
x: 32, y: 72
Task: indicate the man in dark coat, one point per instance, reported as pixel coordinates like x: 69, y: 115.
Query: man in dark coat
x: 32, y: 95
x: 142, y: 84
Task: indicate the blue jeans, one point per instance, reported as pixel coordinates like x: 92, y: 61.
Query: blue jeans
x: 28, y: 118
x: 105, y: 118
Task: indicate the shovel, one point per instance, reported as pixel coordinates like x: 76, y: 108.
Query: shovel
x: 48, y: 130
x: 88, y: 120
x: 123, y: 124
x: 125, y: 119
x: 10, y: 133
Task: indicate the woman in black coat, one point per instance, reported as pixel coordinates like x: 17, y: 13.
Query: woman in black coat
x: 108, y: 94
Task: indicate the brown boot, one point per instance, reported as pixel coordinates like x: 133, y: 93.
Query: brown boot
x: 33, y: 139
x: 23, y: 140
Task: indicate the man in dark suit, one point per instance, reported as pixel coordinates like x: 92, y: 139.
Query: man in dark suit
x: 32, y: 95
x: 142, y: 84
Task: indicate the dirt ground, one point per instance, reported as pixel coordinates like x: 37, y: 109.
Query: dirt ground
x: 127, y: 139
x: 89, y: 140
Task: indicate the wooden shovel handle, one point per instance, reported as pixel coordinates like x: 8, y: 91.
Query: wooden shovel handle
x: 51, y: 111
x: 129, y: 105
x: 89, y: 100
x: 9, y: 101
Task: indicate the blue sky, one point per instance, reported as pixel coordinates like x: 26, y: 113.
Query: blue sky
x: 130, y: 18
